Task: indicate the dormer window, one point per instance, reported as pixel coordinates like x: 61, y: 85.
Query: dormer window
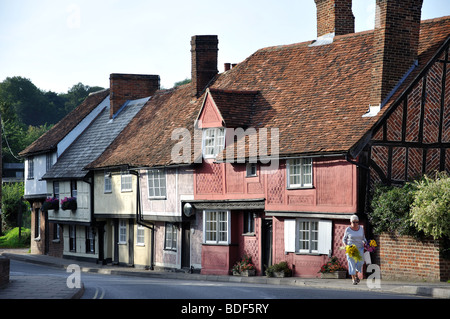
x: 213, y: 142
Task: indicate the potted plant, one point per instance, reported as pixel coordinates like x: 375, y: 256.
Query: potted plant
x: 333, y: 269
x: 244, y: 267
x: 69, y: 203
x: 279, y: 270
x: 50, y: 203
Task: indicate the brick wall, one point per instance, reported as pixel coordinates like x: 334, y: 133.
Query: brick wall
x: 4, y: 270
x: 404, y: 258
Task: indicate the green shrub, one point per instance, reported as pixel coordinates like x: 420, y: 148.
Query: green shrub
x: 390, y: 209
x: 280, y: 267
x: 430, y: 211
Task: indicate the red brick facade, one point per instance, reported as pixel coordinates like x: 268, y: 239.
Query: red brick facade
x: 405, y: 258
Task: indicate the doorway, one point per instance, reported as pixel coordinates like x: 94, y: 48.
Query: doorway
x: 266, y: 243
x: 186, y: 245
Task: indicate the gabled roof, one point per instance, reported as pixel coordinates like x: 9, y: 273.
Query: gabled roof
x: 147, y: 140
x: 236, y: 107
x: 315, y: 96
x: 49, y: 141
x: 93, y: 141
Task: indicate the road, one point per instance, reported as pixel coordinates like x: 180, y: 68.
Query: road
x: 99, y: 286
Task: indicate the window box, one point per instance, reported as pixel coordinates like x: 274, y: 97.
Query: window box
x: 69, y: 203
x: 50, y: 204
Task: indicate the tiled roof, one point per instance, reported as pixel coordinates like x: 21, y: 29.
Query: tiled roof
x: 315, y: 96
x: 49, y: 141
x: 147, y: 140
x: 93, y: 141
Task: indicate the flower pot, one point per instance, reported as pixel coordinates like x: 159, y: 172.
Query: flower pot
x: 340, y: 274
x: 50, y: 206
x: 247, y: 273
x: 279, y: 274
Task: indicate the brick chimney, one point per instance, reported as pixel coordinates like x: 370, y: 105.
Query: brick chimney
x: 124, y: 87
x: 396, y: 40
x: 204, y: 50
x: 334, y: 16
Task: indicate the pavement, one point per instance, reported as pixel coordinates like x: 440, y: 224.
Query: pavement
x: 55, y: 287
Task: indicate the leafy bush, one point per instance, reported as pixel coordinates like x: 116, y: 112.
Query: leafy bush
x: 430, y: 211
x: 280, y: 267
x: 390, y: 209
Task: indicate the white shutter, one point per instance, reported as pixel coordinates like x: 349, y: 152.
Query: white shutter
x: 289, y: 235
x: 325, y: 236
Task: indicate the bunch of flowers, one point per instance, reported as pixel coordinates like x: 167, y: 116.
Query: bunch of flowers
x: 244, y: 264
x: 371, y: 246
x: 69, y: 203
x: 353, y: 252
x: 331, y: 266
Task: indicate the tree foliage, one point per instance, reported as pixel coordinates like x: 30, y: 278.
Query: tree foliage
x: 27, y: 112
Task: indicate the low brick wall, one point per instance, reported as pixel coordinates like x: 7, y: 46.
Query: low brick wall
x: 405, y: 258
x: 4, y: 270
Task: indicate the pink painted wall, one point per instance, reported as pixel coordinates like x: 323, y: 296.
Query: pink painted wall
x: 334, y: 186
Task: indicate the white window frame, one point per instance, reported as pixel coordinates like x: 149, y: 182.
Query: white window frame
x: 122, y: 231
x: 251, y: 169
x: 140, y: 235
x: 213, y: 141
x: 302, y: 169
x: 292, y: 237
x: 170, y: 236
x: 307, y: 236
x: 107, y: 182
x: 126, y: 181
x: 30, y: 167
x: 217, y: 227
x: 156, y: 180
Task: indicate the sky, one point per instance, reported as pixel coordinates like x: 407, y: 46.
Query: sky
x: 59, y: 43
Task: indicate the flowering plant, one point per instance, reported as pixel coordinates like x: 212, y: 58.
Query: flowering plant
x: 371, y: 246
x: 244, y: 264
x: 353, y: 252
x: 331, y: 266
x: 69, y: 203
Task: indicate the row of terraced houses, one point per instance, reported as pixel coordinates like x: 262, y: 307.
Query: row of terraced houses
x: 268, y: 158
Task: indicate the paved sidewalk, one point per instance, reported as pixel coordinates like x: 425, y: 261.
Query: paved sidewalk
x: 55, y: 287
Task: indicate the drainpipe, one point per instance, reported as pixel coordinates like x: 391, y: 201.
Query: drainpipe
x: 140, y: 220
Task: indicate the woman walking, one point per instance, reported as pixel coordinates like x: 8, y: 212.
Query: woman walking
x: 354, y: 235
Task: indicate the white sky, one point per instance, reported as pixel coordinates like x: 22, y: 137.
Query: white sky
x: 58, y: 43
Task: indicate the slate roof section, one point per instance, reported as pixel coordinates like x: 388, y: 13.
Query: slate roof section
x: 49, y: 141
x: 316, y: 97
x: 93, y: 141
